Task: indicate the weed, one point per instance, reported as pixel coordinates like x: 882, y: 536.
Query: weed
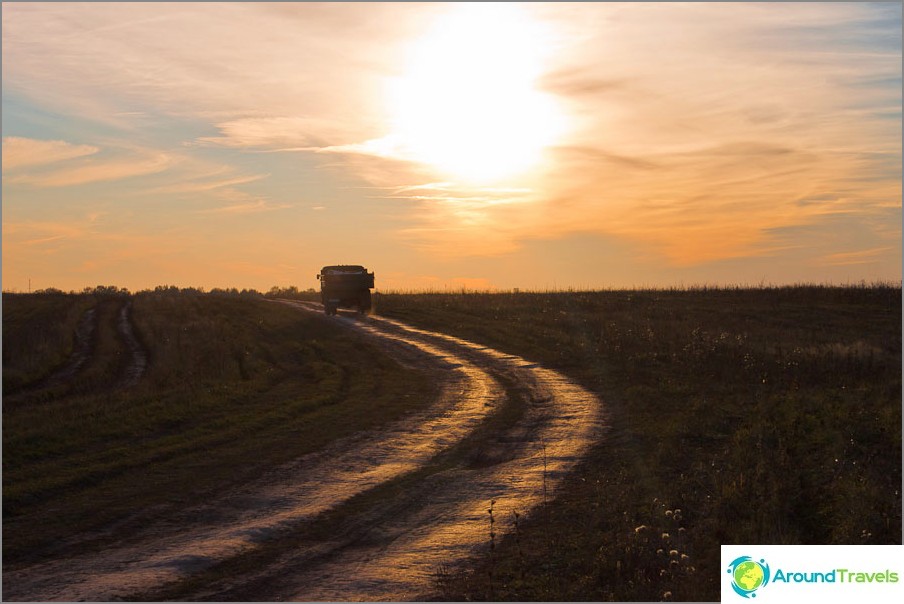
x: 516, y: 532
x: 492, y: 558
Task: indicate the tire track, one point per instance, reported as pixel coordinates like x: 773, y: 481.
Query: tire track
x: 84, y: 353
x: 82, y: 349
x: 81, y: 353
x: 138, y: 356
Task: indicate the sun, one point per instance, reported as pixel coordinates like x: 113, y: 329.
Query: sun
x: 468, y: 104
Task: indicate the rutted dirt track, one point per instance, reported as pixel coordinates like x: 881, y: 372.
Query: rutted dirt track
x: 138, y: 358
x: 391, y: 549
x: 83, y: 353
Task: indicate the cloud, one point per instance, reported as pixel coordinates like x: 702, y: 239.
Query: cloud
x: 39, y: 233
x: 273, y: 132
x: 250, y: 68
x: 387, y: 147
x: 251, y: 207
x: 207, y: 182
x: 95, y: 170
x: 19, y: 152
x: 715, y: 203
x: 696, y: 141
x: 858, y: 257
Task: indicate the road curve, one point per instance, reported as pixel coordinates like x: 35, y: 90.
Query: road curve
x: 451, y: 523
x: 395, y: 554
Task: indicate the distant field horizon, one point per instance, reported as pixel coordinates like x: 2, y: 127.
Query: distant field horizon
x: 290, y: 289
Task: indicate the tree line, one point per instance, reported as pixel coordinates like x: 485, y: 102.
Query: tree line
x: 172, y: 290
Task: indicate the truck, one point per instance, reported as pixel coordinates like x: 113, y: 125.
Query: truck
x: 347, y: 286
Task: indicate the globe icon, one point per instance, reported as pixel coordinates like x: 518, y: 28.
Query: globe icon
x: 748, y: 575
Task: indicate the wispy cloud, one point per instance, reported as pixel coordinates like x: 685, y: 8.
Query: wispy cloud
x: 94, y: 170
x: 19, y: 152
x: 250, y: 207
x: 37, y: 233
x: 280, y: 66
x: 207, y: 182
x: 270, y: 132
x: 858, y: 257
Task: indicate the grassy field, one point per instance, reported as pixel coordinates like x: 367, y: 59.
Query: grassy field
x: 38, y: 335
x: 737, y: 416
x: 234, y: 386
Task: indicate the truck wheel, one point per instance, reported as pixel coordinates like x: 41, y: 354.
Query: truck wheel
x: 364, y: 303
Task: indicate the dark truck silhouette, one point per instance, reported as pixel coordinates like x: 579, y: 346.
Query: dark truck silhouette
x: 347, y: 286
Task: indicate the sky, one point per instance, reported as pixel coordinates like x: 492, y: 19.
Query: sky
x: 450, y: 145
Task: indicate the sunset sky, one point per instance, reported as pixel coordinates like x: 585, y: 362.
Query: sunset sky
x: 449, y: 145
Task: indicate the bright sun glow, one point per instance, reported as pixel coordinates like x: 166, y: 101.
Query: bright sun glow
x: 468, y: 104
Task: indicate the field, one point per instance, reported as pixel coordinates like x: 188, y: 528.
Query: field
x: 234, y: 386
x: 737, y: 416
x: 734, y: 416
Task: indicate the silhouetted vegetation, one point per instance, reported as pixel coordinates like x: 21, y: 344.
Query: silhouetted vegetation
x: 737, y: 416
x: 293, y: 293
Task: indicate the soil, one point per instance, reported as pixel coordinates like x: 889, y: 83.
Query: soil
x: 390, y: 549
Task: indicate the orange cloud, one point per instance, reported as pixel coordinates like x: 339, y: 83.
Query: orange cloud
x: 19, y: 152
x: 859, y: 257
x: 252, y: 206
x: 94, y: 170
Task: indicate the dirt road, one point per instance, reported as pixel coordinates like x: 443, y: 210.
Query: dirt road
x: 386, y: 549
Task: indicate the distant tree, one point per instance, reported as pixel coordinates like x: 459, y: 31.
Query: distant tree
x: 107, y: 290
x: 283, y: 292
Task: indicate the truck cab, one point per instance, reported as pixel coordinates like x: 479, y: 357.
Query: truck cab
x: 346, y: 286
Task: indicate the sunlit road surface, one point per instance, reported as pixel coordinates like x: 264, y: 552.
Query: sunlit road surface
x: 396, y: 555
x: 566, y: 420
